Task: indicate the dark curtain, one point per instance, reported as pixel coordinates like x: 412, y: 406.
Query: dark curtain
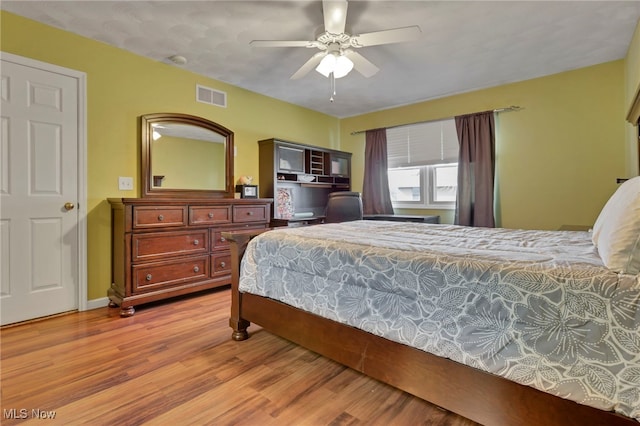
x: 375, y: 189
x: 476, y: 169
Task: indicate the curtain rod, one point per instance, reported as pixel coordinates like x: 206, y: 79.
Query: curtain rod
x: 505, y: 109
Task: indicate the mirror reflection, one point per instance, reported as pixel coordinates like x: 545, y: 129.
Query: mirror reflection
x: 186, y: 156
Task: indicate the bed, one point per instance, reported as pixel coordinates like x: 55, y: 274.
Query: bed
x: 504, y: 327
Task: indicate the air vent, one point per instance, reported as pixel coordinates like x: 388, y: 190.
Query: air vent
x: 211, y: 96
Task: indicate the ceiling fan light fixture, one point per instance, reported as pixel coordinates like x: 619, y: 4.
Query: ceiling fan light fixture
x: 335, y: 63
x: 326, y: 66
x: 343, y: 66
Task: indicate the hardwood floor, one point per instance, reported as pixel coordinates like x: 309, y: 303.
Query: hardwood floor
x: 175, y: 363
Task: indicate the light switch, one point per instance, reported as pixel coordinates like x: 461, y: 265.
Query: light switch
x: 125, y: 183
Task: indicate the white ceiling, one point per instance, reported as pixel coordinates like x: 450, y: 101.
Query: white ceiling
x: 465, y: 45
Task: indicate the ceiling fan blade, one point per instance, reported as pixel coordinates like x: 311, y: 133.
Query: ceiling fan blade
x: 335, y: 16
x: 395, y: 35
x: 309, y: 65
x: 361, y: 64
x: 282, y: 43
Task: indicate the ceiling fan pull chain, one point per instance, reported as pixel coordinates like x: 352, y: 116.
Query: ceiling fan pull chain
x: 332, y: 81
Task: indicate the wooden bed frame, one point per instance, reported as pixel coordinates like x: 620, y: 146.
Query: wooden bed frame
x: 482, y: 397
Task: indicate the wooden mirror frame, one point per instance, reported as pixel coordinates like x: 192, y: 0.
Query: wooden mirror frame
x: 146, y: 138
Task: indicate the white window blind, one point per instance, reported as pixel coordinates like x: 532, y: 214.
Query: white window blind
x: 422, y: 144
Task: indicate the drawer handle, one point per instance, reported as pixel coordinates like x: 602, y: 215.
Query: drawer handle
x: 160, y: 218
x: 222, y: 264
x: 223, y: 239
x: 210, y: 215
x: 148, y: 277
x: 196, y: 269
x: 250, y: 213
x: 196, y: 242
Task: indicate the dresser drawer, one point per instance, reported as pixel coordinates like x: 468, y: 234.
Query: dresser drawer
x: 175, y: 243
x: 250, y: 213
x: 154, y: 276
x: 218, y: 242
x: 159, y: 216
x: 220, y: 264
x: 207, y: 215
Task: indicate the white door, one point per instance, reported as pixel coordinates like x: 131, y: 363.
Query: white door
x: 39, y: 213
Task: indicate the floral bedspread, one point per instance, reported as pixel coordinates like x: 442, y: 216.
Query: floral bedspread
x: 536, y: 307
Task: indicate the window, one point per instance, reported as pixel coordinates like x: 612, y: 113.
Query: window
x: 423, y: 168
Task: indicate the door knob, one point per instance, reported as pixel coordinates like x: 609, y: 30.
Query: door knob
x: 69, y: 206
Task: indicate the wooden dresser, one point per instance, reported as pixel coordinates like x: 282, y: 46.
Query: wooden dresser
x: 168, y: 247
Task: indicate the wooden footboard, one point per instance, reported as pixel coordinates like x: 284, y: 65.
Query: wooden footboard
x: 238, y: 244
x: 477, y: 395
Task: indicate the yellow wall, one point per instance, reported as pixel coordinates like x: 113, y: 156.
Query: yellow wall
x: 557, y: 159
x: 632, y: 89
x: 121, y: 87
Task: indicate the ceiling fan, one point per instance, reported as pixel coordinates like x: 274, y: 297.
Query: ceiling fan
x: 338, y: 57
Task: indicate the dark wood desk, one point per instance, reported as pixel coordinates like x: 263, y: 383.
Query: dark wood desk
x: 297, y: 221
x: 403, y: 218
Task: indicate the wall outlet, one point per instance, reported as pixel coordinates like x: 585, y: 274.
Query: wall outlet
x: 125, y: 183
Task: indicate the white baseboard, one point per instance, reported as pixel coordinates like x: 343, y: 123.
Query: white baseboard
x: 97, y: 303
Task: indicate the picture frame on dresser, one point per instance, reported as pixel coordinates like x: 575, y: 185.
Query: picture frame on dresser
x: 247, y: 191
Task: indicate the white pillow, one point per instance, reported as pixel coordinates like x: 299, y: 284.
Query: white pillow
x: 616, y: 232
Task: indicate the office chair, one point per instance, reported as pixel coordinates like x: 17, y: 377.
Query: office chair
x: 343, y: 206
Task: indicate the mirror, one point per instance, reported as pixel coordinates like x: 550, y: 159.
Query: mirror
x: 186, y: 156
